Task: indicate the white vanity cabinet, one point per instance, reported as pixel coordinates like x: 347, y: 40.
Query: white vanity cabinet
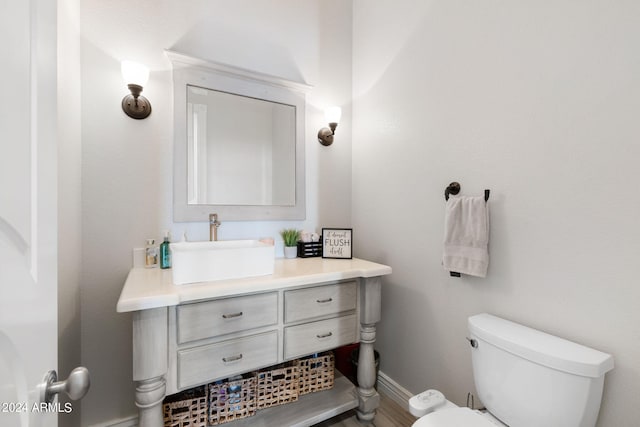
x: 189, y: 335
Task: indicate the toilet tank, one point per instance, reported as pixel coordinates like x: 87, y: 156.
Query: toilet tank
x: 528, y: 378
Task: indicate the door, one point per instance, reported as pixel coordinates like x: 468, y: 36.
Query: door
x: 28, y: 210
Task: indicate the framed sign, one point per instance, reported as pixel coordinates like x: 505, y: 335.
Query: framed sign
x: 337, y: 242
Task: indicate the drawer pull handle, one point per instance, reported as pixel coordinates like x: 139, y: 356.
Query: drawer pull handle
x: 232, y: 358
x: 321, y: 301
x: 328, y: 334
x: 232, y: 315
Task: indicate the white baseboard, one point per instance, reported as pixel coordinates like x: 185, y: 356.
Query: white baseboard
x: 393, y: 390
x: 123, y: 422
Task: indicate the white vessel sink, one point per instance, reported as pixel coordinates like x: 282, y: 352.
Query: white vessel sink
x: 194, y: 262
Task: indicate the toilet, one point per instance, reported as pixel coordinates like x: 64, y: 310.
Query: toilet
x: 525, y: 378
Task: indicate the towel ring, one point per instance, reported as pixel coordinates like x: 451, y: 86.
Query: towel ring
x: 454, y: 188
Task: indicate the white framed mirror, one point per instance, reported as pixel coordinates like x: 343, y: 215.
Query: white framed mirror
x: 238, y: 143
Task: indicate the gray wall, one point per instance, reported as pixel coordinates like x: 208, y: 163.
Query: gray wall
x: 127, y: 164
x: 535, y: 101
x: 539, y: 102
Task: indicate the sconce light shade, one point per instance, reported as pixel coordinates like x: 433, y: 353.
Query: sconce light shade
x: 325, y: 135
x: 136, y: 76
x: 333, y: 114
x: 134, y: 73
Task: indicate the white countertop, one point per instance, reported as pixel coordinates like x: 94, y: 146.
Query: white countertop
x: 147, y: 288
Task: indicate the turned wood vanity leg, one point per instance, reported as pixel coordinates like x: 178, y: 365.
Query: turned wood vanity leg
x: 150, y: 364
x: 149, y: 397
x: 370, y: 298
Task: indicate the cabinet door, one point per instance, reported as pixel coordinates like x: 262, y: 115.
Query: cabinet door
x: 319, y: 301
x: 319, y: 336
x: 219, y: 317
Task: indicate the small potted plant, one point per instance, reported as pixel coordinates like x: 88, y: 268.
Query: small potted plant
x: 290, y: 237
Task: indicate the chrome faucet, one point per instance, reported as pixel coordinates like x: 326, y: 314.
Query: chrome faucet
x: 213, y: 227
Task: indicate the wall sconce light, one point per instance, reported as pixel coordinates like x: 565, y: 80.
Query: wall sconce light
x: 325, y: 135
x: 135, y: 76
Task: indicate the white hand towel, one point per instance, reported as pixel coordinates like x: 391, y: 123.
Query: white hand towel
x: 466, y: 235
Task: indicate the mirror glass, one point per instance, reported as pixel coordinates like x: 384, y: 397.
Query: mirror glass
x: 241, y: 150
x: 238, y: 145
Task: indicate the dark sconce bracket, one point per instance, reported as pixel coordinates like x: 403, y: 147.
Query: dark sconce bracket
x: 325, y: 135
x: 135, y: 105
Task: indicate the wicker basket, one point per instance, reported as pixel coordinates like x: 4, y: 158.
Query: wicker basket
x: 309, y: 249
x: 231, y: 400
x: 316, y: 372
x: 186, y: 409
x: 277, y: 385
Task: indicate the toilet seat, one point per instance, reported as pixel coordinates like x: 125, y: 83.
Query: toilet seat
x: 454, y: 417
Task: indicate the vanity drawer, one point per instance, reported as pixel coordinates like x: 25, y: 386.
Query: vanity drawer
x: 224, y: 316
x: 319, y: 301
x: 318, y: 336
x: 209, y: 362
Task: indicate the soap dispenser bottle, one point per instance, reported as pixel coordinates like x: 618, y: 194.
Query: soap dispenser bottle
x: 165, y: 252
x: 150, y: 254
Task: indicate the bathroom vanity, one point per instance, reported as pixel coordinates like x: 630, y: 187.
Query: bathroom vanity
x: 188, y: 335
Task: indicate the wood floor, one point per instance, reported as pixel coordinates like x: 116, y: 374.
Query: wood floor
x: 389, y: 414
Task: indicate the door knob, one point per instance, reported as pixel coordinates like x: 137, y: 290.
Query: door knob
x: 76, y: 386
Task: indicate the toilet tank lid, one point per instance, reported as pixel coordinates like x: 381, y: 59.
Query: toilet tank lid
x: 540, y: 347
